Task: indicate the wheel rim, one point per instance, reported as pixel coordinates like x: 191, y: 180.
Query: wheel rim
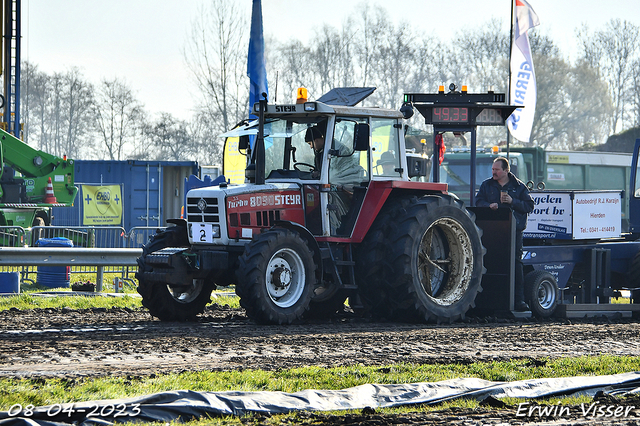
x: 188, y: 293
x: 285, y: 278
x: 546, y: 294
x: 445, y: 261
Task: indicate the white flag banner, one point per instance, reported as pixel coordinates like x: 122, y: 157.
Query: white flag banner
x: 523, y: 78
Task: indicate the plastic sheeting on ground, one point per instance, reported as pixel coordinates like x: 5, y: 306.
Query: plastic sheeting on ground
x: 184, y: 404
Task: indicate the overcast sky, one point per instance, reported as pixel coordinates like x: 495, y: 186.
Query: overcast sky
x: 141, y: 41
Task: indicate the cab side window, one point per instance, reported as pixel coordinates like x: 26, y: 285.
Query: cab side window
x: 346, y: 165
x: 385, y: 147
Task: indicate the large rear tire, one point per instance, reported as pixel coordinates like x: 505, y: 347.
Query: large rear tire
x: 437, y: 257
x: 276, y: 277
x: 372, y: 262
x: 542, y: 293
x: 171, y: 303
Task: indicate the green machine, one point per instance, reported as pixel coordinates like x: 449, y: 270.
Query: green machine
x: 31, y: 183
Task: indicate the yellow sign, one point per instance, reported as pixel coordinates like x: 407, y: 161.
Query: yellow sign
x: 234, y: 163
x: 102, y: 205
x: 559, y: 159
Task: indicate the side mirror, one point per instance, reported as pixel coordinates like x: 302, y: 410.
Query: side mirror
x: 407, y: 110
x: 243, y: 142
x: 362, y: 132
x: 416, y: 166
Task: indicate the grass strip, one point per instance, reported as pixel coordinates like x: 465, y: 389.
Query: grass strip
x: 39, y: 392
x: 25, y: 301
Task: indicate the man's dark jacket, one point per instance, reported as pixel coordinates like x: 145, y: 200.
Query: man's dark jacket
x: 521, y: 205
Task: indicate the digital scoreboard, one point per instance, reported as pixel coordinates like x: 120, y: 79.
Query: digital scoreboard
x: 462, y: 109
x: 458, y: 112
x: 465, y: 116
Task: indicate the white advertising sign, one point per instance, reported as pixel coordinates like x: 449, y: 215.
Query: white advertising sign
x: 597, y: 215
x: 575, y: 215
x: 551, y: 216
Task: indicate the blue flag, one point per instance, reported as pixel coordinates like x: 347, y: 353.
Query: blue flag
x: 256, y: 69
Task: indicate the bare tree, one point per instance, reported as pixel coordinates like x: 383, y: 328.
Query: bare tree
x: 587, y: 112
x: 168, y: 139
x: 290, y: 68
x: 393, y: 70
x: 614, y: 51
x: 76, y: 98
x: 635, y: 93
x: 205, y: 139
x: 374, y: 22
x: 217, y: 57
x: 326, y: 46
x: 57, y: 111
x: 567, y: 116
x: 36, y: 108
x: 117, y: 118
x: 482, y: 55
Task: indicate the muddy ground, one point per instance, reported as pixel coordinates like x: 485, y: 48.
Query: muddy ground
x: 67, y: 343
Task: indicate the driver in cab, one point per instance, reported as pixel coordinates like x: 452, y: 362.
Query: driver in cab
x: 344, y: 169
x: 315, y: 139
x: 344, y: 173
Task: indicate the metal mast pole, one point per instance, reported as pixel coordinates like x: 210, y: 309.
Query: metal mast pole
x: 509, y: 73
x: 11, y: 56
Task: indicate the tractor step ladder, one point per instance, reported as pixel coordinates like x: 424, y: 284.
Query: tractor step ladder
x: 345, y: 281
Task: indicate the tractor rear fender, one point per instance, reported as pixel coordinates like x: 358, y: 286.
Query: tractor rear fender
x: 378, y: 194
x: 311, y: 241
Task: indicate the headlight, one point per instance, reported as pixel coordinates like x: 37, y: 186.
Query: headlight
x: 216, y: 231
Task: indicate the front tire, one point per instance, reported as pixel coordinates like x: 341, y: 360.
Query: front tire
x: 542, y: 293
x: 276, y: 277
x: 165, y: 302
x: 437, y: 268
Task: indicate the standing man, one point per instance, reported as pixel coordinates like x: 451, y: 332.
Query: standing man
x: 504, y: 190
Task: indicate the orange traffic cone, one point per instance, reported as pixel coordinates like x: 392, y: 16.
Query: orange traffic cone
x: 49, y: 196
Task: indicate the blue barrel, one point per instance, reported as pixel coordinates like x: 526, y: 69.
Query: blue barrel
x: 9, y: 282
x: 53, y: 276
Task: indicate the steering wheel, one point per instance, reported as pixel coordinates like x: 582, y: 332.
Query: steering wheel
x: 311, y: 166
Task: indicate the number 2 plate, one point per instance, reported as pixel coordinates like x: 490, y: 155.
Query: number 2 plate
x: 203, y: 233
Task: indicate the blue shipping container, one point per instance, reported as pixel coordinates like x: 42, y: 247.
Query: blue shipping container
x: 152, y: 191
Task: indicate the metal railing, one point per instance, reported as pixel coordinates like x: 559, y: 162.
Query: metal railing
x: 82, y: 236
x: 139, y: 235
x: 67, y: 256
x: 102, y: 239
x: 12, y: 236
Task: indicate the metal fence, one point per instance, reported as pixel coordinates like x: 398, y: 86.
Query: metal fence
x: 139, y: 235
x: 12, y: 236
x: 66, y: 257
x: 82, y: 236
x: 99, y: 237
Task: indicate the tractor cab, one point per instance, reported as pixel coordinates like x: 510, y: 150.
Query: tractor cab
x: 331, y: 153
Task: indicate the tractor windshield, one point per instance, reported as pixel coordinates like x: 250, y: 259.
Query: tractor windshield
x: 287, y: 154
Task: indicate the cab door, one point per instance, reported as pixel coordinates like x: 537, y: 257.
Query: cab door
x: 348, y: 175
